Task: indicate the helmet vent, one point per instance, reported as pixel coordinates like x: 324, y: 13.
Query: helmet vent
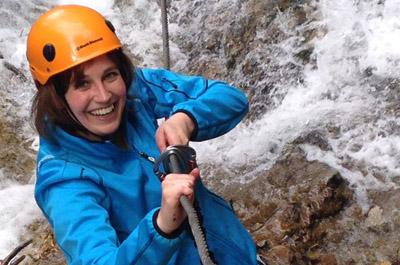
x: 49, y: 52
x: 110, y: 25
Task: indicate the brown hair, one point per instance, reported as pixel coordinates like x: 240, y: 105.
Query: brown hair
x: 50, y: 109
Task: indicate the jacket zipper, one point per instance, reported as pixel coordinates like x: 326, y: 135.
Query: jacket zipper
x: 147, y: 157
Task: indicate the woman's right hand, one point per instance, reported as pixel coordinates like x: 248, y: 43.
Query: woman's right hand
x: 172, y: 214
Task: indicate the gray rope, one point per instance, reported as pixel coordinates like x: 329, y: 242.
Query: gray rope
x: 198, y: 234
x: 165, y: 36
x: 194, y: 221
x: 188, y: 207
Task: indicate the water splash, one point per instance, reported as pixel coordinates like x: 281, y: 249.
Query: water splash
x: 346, y: 96
x: 17, y: 210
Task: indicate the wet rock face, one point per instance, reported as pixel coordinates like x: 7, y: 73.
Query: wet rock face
x: 239, y: 41
x: 292, y: 208
x: 304, y: 212
x: 16, y: 160
x: 43, y: 250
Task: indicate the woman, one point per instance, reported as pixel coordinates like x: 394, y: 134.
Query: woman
x: 97, y: 120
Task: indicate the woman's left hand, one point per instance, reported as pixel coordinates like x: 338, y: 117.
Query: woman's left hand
x: 172, y: 214
x: 175, y: 130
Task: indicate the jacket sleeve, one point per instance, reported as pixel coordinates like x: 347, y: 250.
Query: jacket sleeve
x: 214, y: 106
x: 76, y: 209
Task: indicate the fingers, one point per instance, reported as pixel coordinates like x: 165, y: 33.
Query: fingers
x: 176, y: 130
x: 168, y: 134
x: 171, y: 213
x: 161, y: 139
x: 177, y: 185
x: 195, y: 172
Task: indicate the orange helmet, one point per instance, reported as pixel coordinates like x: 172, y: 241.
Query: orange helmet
x: 66, y: 36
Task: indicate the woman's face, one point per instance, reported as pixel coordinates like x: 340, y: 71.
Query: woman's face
x: 97, y: 98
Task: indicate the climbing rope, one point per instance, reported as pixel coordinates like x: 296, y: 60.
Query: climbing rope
x: 175, y: 157
x: 165, y: 36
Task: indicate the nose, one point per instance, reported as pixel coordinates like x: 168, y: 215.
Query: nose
x: 102, y: 94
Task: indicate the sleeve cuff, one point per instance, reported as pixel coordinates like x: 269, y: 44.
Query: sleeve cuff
x: 174, y: 234
x: 191, y: 116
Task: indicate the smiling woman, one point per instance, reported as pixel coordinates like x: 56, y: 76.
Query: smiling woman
x: 96, y: 116
x: 78, y: 98
x: 96, y: 96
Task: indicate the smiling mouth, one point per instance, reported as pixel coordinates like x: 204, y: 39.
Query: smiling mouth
x: 103, y: 111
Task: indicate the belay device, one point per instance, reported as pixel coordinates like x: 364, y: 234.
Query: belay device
x: 182, y: 159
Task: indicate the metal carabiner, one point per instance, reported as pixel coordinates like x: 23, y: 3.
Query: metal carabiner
x: 175, y: 159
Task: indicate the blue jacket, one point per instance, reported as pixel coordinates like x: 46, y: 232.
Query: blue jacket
x: 100, y: 199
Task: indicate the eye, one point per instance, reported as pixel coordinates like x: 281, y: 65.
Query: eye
x: 112, y: 75
x: 82, y: 84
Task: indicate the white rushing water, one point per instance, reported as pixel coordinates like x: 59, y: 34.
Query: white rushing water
x: 339, y: 96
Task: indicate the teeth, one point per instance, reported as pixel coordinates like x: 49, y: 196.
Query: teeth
x: 103, y: 111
